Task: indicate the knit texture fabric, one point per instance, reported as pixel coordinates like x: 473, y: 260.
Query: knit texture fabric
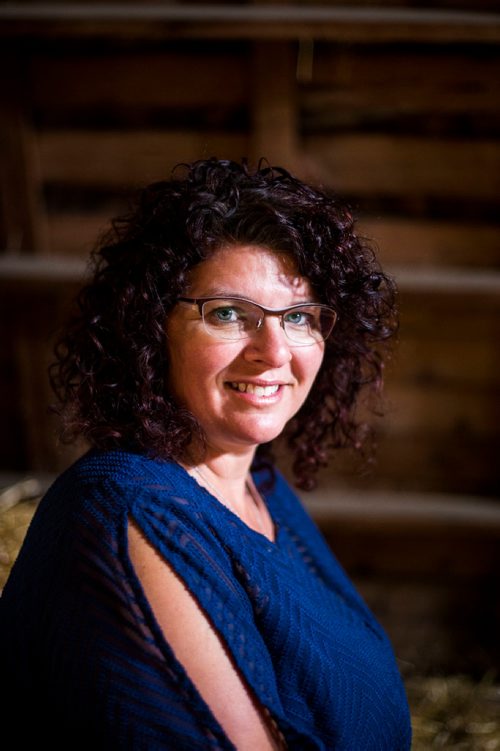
x: 88, y: 666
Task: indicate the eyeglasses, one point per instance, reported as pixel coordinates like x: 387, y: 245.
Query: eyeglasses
x: 235, y: 318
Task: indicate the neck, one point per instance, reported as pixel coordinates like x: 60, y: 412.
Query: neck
x: 231, y: 488
x: 224, y: 467
x: 230, y: 482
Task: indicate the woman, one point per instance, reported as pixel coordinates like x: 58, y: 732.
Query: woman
x: 172, y: 593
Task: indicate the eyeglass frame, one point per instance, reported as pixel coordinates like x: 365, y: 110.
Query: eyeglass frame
x: 200, y: 301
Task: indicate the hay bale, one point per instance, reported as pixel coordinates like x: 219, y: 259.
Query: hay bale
x: 455, y: 712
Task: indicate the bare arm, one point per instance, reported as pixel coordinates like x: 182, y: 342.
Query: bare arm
x: 201, y: 651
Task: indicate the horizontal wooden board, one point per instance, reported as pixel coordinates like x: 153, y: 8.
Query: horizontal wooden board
x: 409, y: 165
x: 428, y: 243
x: 455, y: 317
x: 425, y: 461
x: 74, y: 234
x: 383, y: 82
x: 415, y: 513
x: 259, y: 21
x: 394, y: 547
x: 442, y: 408
x: 343, y: 83
x: 128, y: 158
x: 139, y: 79
x: 427, y: 360
x: 350, y: 164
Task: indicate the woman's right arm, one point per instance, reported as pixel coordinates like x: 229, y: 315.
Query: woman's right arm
x: 201, y: 651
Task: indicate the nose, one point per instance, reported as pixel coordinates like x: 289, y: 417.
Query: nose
x: 269, y: 344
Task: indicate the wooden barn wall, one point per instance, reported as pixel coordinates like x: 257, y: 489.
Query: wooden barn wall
x: 400, y: 117
x: 408, y: 132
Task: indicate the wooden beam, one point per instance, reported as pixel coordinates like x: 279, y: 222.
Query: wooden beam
x: 23, y: 227
x: 140, y: 80
x: 363, y: 164
x: 290, y: 21
x: 127, y: 159
x: 436, y: 246
x: 274, y: 108
x: 409, y: 510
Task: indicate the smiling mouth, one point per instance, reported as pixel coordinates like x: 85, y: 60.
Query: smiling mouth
x: 252, y: 388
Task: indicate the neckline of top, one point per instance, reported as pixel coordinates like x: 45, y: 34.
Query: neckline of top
x: 222, y: 508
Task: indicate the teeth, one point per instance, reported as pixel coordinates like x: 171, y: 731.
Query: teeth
x: 250, y: 388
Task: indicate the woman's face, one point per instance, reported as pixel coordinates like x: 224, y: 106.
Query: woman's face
x: 242, y: 392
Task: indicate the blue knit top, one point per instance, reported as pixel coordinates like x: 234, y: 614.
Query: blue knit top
x: 85, y: 659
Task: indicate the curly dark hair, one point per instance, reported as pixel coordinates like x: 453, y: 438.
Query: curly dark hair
x: 111, y: 368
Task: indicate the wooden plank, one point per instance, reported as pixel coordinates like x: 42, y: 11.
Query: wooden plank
x: 34, y: 328
x: 411, y: 165
x: 351, y: 163
x: 395, y: 511
x: 128, y: 158
x: 427, y: 359
x: 426, y: 242
x: 140, y: 79
x: 449, y: 281
x: 35, y: 315
x: 442, y: 438
x: 450, y: 317
x: 423, y: 461
x: 446, y: 408
x: 22, y: 216
x: 160, y: 21
x: 48, y: 275
x: 274, y: 112
x: 386, y: 82
x: 74, y: 234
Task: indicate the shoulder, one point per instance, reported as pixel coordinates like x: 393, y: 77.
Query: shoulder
x: 123, y: 467
x: 112, y: 489
x: 113, y: 484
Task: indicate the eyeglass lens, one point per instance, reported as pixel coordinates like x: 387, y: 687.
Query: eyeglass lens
x: 237, y: 319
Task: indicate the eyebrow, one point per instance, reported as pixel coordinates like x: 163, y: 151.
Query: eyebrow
x: 233, y: 296
x: 214, y: 292
x: 219, y: 292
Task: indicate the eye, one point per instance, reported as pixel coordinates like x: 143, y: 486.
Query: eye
x: 225, y: 314
x: 299, y: 318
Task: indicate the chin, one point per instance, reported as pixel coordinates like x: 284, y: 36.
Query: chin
x: 258, y: 437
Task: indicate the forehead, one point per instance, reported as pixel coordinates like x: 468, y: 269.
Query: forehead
x: 248, y: 271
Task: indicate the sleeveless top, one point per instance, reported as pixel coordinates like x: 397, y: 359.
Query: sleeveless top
x: 87, y: 666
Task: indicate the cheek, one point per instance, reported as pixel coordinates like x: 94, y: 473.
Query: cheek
x: 309, y: 365
x: 181, y: 371
x: 196, y: 368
